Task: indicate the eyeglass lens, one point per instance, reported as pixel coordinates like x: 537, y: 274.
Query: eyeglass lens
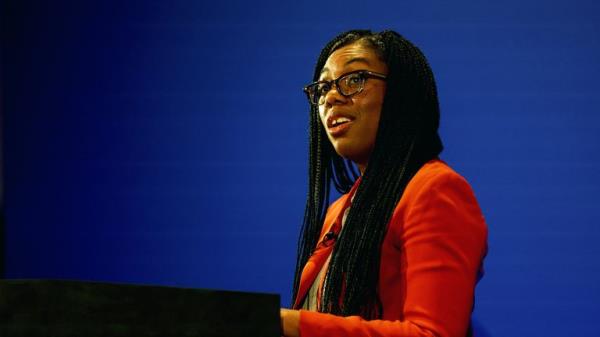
x: 346, y: 85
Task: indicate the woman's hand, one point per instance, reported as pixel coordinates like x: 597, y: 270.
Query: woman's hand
x: 290, y: 321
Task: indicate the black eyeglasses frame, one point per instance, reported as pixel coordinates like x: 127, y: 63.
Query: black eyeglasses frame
x: 310, y: 89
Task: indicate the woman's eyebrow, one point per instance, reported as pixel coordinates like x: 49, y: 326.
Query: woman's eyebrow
x: 350, y: 61
x: 357, y: 59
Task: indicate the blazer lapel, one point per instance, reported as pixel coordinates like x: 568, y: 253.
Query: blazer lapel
x: 324, y: 247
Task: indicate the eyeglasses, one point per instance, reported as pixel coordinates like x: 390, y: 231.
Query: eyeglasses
x: 347, y: 85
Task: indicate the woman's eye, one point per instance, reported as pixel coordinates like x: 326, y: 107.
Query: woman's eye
x: 353, y: 80
x: 323, y: 88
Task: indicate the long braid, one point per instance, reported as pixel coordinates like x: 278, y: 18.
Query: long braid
x: 317, y: 198
x: 321, y: 163
x: 406, y: 139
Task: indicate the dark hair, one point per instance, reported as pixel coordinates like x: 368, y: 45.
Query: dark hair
x: 407, y: 137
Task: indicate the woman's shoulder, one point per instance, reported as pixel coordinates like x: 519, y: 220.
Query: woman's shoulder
x: 438, y: 199
x: 436, y: 182
x: 435, y: 173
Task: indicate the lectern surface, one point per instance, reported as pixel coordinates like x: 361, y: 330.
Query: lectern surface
x: 73, y: 308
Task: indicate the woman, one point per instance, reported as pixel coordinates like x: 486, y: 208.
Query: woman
x: 400, y: 252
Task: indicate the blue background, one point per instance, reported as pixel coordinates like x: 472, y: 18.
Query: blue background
x: 165, y: 142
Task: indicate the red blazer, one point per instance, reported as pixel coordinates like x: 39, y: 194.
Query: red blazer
x: 430, y: 261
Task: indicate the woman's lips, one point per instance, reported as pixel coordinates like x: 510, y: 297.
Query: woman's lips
x: 339, y: 129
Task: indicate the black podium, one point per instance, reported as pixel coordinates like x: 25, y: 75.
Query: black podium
x: 73, y: 308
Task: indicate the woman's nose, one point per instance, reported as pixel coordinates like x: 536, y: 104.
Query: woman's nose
x: 333, y: 96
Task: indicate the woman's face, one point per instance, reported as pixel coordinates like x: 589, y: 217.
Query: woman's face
x: 351, y: 122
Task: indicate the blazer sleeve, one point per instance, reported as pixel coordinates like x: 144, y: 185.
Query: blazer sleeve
x: 443, y: 241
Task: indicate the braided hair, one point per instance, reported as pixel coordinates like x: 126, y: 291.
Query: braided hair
x: 407, y: 137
